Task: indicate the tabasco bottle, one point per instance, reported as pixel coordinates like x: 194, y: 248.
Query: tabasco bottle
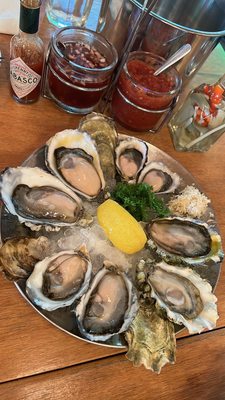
x: 27, y: 54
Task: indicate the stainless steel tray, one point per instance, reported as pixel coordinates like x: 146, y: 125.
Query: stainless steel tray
x: 64, y: 318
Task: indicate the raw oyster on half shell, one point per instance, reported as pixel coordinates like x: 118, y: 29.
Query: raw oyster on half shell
x: 59, y: 280
x: 72, y: 156
x: 184, y: 238
x: 131, y: 156
x: 18, y: 256
x: 159, y: 176
x: 184, y: 295
x: 109, y: 306
x: 151, y: 339
x: 36, y: 196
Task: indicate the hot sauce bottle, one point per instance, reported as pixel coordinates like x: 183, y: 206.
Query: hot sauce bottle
x: 27, y: 55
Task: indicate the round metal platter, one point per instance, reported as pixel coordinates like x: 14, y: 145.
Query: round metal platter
x: 64, y: 318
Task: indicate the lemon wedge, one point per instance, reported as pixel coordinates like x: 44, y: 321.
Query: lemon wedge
x: 120, y: 227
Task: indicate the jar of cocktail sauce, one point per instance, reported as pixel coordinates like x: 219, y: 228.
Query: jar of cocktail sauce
x: 142, y: 101
x: 78, y: 69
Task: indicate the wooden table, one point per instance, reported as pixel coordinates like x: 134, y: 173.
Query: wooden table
x: 37, y: 360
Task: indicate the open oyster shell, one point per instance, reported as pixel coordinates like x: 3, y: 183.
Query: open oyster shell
x: 184, y: 295
x: 36, y: 196
x: 151, y: 339
x: 18, y: 256
x: 131, y: 156
x: 185, y: 239
x: 72, y: 156
x: 109, y: 305
x: 160, y: 177
x: 59, y: 280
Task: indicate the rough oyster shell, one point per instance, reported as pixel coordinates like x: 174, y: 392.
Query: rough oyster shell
x: 72, y: 156
x: 96, y: 125
x: 184, y: 295
x: 18, y: 256
x: 184, y: 238
x: 160, y: 177
x: 102, y: 130
x: 71, y: 275
x: 109, y: 306
x: 151, y: 339
x: 131, y: 156
x: 36, y: 196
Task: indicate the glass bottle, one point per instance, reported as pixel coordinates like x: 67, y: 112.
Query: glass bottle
x: 27, y: 54
x: 201, y: 119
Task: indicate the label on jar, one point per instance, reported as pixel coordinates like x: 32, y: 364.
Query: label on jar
x: 23, y: 79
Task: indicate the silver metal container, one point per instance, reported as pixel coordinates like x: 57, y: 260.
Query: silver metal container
x: 170, y: 24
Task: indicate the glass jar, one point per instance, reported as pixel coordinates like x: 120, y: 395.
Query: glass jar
x: 142, y: 101
x: 78, y: 69
x: 200, y: 121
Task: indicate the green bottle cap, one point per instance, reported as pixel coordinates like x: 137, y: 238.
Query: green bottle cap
x: 29, y: 15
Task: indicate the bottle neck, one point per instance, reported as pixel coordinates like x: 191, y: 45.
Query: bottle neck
x: 24, y: 34
x: 29, y: 16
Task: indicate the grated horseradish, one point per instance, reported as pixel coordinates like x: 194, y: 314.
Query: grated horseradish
x: 190, y: 202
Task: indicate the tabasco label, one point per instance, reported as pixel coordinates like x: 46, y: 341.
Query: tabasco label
x: 23, y: 79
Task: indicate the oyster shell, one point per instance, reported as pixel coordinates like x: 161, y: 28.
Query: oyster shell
x: 131, y: 156
x: 151, y: 339
x: 59, y: 280
x: 185, y: 238
x: 102, y: 130
x: 72, y: 156
x: 18, y: 256
x: 109, y: 306
x: 159, y: 176
x: 96, y: 125
x: 184, y: 295
x: 36, y: 196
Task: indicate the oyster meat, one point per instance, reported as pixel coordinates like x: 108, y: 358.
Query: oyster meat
x: 159, y: 176
x: 72, y: 156
x: 185, y: 238
x: 36, y: 196
x: 59, y: 280
x: 184, y: 295
x: 109, y: 306
x: 18, y: 256
x: 151, y: 339
x: 131, y: 156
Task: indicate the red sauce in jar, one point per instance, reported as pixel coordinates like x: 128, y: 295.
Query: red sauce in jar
x: 142, y: 83
x: 78, y: 93
x: 139, y: 87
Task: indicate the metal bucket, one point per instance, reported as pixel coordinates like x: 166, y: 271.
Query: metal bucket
x: 170, y: 24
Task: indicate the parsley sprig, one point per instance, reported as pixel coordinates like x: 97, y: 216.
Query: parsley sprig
x: 139, y: 200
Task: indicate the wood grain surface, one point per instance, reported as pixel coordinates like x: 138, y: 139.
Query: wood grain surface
x: 197, y: 374
x: 31, y: 347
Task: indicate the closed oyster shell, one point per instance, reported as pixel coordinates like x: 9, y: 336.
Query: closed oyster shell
x: 185, y: 239
x: 109, y: 306
x: 131, y: 156
x: 18, y: 256
x: 102, y: 130
x: 59, y: 280
x: 160, y: 177
x: 36, y: 196
x: 151, y: 339
x: 72, y: 156
x: 184, y: 295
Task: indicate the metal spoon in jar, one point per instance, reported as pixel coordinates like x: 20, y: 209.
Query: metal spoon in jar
x: 183, y: 51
